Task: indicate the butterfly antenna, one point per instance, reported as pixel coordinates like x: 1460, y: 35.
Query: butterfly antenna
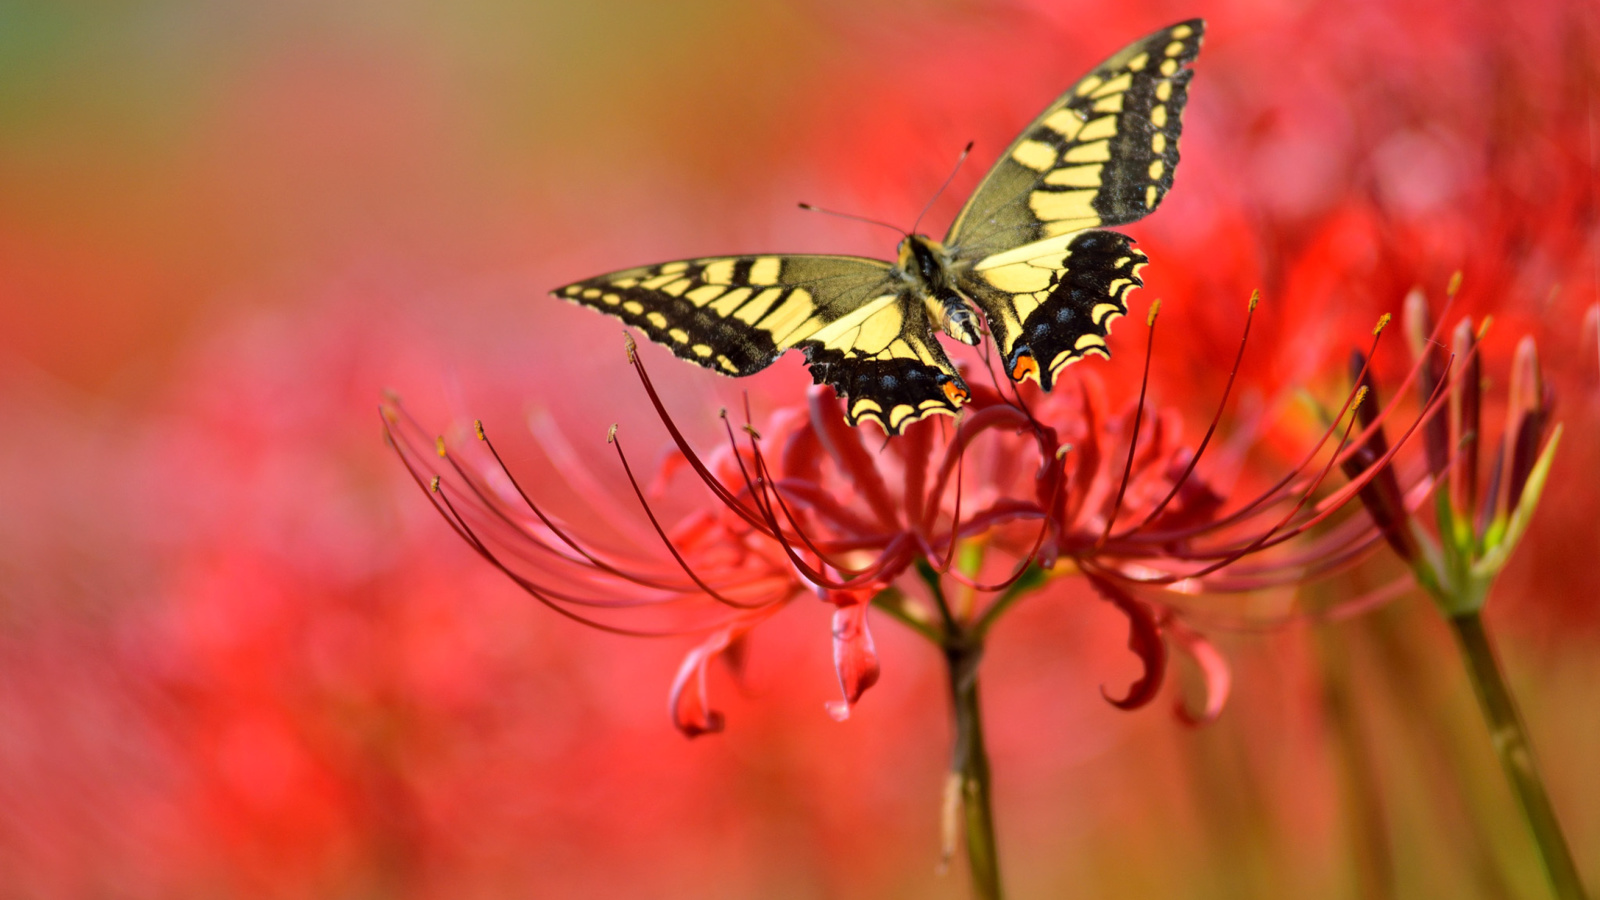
x: 952, y: 177
x: 808, y: 207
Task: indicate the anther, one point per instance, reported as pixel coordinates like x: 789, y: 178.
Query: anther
x: 477, y: 425
x: 438, y: 446
x: 1155, y: 310
x: 611, y: 434
x: 1255, y: 297
x: 434, y: 484
x: 1383, y: 322
x: 1455, y: 284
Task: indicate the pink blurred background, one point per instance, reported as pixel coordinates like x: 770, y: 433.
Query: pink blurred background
x: 241, y: 657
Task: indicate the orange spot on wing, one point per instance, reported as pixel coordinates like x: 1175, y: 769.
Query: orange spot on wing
x: 955, y: 392
x: 1025, y: 368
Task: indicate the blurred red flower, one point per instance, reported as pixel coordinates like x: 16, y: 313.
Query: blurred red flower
x: 234, y: 660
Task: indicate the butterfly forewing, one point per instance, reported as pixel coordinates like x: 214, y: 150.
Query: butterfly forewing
x: 1102, y: 154
x: 734, y: 314
x: 861, y: 332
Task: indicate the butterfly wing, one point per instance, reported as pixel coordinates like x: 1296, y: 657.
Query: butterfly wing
x: 860, y: 330
x: 1102, y: 154
x: 884, y: 358
x: 1051, y: 303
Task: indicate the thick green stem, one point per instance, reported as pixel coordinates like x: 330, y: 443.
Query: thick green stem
x: 970, y: 765
x: 1510, y: 740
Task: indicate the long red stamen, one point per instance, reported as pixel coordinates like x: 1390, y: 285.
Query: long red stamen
x: 955, y: 516
x: 977, y: 423
x: 486, y: 509
x: 843, y: 443
x: 1278, y: 491
x: 451, y: 515
x: 726, y: 496
x: 1326, y: 508
x: 488, y: 501
x: 758, y: 488
x: 671, y: 548
x: 892, y: 557
x: 1260, y: 542
x: 1022, y: 567
x: 1138, y: 418
x: 1211, y: 429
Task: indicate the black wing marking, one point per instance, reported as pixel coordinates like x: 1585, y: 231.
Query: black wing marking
x: 1052, y: 303
x: 887, y: 362
x: 735, y: 314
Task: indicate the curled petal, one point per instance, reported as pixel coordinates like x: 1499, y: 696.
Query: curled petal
x: 1144, y: 639
x: 690, y: 707
x: 855, y: 658
x: 1214, y: 671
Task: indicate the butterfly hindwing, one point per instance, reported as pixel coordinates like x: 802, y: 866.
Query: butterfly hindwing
x: 860, y: 330
x: 884, y: 359
x: 1102, y: 154
x: 1051, y: 303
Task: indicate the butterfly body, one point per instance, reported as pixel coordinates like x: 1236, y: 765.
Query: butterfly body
x: 1026, y: 252
x: 926, y: 267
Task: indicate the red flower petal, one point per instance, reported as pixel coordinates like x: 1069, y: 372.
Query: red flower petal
x: 1213, y: 669
x: 691, y: 709
x: 1144, y: 639
x: 855, y: 658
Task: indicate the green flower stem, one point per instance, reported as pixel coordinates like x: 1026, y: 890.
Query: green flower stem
x: 1027, y: 584
x: 1510, y: 741
x: 897, y: 606
x: 970, y: 764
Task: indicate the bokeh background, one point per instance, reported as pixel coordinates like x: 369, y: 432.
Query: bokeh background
x: 241, y: 657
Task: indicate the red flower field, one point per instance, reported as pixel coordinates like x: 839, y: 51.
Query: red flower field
x: 243, y: 655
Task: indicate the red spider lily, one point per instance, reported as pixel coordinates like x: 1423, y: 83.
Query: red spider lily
x: 984, y: 511
x: 1477, y: 528
x: 1476, y: 532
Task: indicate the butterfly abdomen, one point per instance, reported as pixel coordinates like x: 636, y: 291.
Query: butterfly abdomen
x: 925, y: 264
